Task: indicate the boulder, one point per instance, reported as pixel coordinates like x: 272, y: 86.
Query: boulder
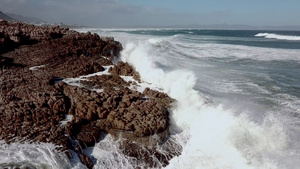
x: 88, y: 135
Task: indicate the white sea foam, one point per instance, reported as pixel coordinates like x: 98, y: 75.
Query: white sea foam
x: 276, y: 36
x: 213, y: 137
x: 67, y: 119
x: 76, y: 81
x: 36, y: 67
x: 179, y: 48
x: 35, y: 155
x: 138, y: 86
x: 109, y: 155
x: 289, y: 102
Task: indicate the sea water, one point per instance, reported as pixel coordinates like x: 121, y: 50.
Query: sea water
x: 237, y: 98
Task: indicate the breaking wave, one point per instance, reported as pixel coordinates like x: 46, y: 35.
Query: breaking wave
x: 276, y: 36
x: 210, y: 135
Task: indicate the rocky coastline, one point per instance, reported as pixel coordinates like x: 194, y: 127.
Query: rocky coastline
x: 38, y: 105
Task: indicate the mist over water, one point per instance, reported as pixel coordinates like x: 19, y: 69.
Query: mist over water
x: 237, y: 97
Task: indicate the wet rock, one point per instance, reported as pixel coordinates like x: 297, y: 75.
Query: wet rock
x: 86, y: 160
x: 34, y: 101
x: 55, y: 46
x: 142, y: 118
x: 89, y: 135
x: 124, y: 69
x: 159, y: 96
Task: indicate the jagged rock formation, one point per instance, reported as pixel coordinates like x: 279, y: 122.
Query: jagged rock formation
x: 34, y: 102
x: 124, y: 69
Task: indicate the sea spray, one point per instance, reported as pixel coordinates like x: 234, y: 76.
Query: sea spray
x: 109, y: 155
x: 211, y: 136
x: 206, y: 134
x: 35, y: 155
x: 204, y: 127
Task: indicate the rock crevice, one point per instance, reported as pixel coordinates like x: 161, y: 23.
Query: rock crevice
x: 34, y: 101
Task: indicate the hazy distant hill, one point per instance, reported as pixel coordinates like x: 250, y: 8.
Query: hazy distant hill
x: 240, y: 27
x: 24, y: 18
x: 15, y: 17
x: 5, y: 17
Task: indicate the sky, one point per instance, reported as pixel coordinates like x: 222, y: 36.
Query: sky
x: 131, y: 13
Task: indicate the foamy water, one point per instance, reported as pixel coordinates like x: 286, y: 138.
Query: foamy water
x: 214, y: 137
x: 276, y: 36
x: 35, y: 155
x: 237, y: 98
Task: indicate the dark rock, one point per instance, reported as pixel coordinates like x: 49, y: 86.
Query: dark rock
x: 124, y: 69
x: 34, y: 100
x: 88, y: 135
x: 86, y: 160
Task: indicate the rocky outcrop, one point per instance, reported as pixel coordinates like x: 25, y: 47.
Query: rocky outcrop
x: 118, y: 108
x: 34, y: 101
x: 17, y: 34
x: 124, y: 69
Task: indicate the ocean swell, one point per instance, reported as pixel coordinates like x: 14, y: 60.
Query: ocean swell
x: 210, y: 135
x: 276, y: 36
x: 204, y: 134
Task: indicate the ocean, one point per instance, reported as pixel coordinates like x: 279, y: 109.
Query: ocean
x: 237, y: 92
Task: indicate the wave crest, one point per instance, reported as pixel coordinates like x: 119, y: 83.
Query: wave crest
x: 276, y: 36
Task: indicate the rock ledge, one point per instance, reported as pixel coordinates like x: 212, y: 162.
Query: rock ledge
x: 34, y: 101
